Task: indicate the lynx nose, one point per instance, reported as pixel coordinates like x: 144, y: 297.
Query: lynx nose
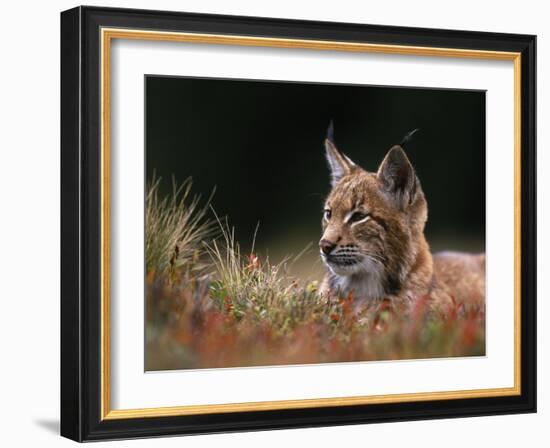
x: 326, y: 246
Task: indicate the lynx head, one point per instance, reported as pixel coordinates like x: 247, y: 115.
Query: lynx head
x: 373, y: 222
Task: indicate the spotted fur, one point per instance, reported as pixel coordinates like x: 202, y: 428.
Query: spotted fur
x: 373, y: 242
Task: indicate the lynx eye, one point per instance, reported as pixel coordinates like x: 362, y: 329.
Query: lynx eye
x: 327, y: 215
x: 357, y: 216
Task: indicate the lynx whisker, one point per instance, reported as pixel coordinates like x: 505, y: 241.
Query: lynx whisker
x: 373, y: 233
x: 376, y: 258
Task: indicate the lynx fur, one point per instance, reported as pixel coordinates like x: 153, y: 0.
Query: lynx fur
x: 373, y: 242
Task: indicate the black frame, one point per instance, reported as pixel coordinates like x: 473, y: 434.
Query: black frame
x: 80, y: 224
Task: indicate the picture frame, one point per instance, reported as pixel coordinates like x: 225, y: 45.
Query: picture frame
x: 87, y: 34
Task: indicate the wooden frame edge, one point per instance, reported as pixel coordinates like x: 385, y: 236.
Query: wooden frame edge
x: 107, y: 34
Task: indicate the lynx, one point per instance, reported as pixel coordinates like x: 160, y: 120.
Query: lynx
x: 373, y: 241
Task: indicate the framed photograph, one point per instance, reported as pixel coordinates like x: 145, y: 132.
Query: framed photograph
x: 275, y: 224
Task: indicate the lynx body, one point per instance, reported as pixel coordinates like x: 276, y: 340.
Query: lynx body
x: 373, y: 242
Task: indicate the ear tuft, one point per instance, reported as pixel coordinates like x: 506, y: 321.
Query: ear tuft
x: 408, y: 137
x: 398, y: 178
x: 330, y: 131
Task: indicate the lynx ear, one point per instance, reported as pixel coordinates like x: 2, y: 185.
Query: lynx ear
x: 398, y: 178
x: 340, y: 165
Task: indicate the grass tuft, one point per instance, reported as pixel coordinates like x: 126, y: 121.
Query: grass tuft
x: 175, y: 229
x: 248, y: 286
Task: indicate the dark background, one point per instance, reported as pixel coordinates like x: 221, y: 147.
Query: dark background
x: 261, y: 145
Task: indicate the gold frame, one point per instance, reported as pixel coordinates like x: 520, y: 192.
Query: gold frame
x: 107, y: 35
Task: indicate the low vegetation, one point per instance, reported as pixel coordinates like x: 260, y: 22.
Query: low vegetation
x: 209, y: 305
